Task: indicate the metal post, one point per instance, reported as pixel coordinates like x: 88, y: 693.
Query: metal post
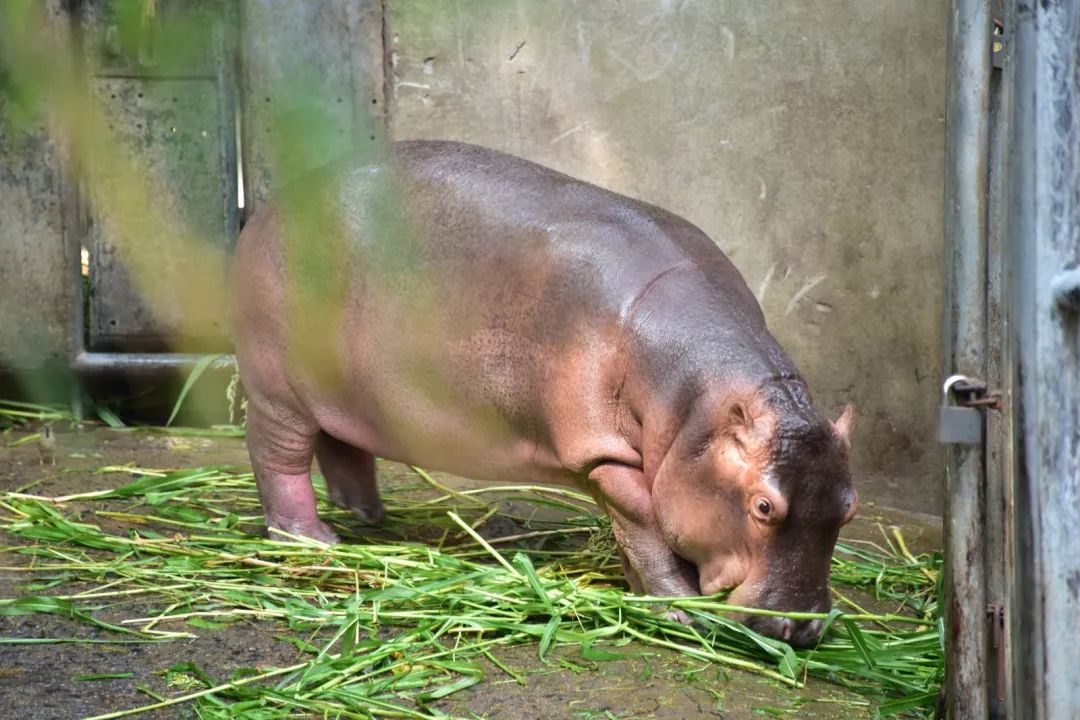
x: 999, y: 434
x: 966, y: 178
x: 1044, y: 249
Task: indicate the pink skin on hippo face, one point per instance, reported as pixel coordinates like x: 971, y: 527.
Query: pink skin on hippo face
x: 786, y: 494
x: 485, y: 316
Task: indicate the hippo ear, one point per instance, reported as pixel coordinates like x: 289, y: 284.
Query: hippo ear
x: 743, y: 429
x: 844, y: 425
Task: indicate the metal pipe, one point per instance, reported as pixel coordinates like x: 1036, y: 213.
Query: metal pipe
x: 999, y: 432
x: 94, y: 364
x: 966, y: 185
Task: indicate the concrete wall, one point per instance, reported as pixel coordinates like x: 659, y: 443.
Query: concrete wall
x: 38, y: 299
x: 38, y: 264
x: 805, y: 138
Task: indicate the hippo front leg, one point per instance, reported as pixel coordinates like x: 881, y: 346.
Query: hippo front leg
x: 650, y: 564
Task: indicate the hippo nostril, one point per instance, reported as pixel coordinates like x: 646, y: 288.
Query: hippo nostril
x: 807, y: 634
x: 785, y: 629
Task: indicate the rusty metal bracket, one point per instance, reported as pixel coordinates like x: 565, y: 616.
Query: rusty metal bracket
x: 970, y: 392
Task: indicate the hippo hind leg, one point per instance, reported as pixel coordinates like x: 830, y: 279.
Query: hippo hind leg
x: 350, y: 478
x: 282, y: 444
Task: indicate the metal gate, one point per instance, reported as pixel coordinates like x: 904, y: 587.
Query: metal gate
x: 1013, y: 329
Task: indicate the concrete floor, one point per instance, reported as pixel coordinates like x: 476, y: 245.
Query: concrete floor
x: 37, y: 680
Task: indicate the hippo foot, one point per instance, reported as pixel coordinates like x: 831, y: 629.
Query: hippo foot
x: 369, y: 513
x: 317, y: 530
x: 350, y: 478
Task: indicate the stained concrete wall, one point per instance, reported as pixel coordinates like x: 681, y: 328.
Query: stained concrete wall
x: 37, y: 306
x: 38, y: 263
x: 805, y: 138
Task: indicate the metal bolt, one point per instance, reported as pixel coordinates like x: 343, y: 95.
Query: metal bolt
x: 1065, y: 290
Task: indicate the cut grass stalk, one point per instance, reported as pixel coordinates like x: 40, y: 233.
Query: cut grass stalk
x: 483, y: 543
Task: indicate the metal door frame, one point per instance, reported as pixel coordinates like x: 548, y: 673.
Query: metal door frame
x: 1012, y: 317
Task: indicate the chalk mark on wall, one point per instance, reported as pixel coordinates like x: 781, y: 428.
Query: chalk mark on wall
x: 802, y: 293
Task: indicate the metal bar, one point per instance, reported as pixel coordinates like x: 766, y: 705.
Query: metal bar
x: 91, y: 364
x: 1025, y: 617
x: 75, y: 222
x: 966, y: 179
x: 1044, y: 241
x: 999, y: 432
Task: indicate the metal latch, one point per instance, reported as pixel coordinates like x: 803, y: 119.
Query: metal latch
x: 995, y: 614
x: 997, y: 43
x: 961, y: 423
x: 974, y: 393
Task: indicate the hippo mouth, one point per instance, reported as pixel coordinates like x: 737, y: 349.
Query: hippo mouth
x: 797, y: 633
x: 689, y: 570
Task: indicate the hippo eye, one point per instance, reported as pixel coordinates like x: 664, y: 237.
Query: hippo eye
x: 768, y: 510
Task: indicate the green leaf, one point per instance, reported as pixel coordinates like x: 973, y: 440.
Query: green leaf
x: 108, y: 417
x: 184, y: 513
x: 790, y: 665
x: 190, y: 668
x: 450, y: 688
x: 925, y: 701
x: 31, y: 604
x: 595, y: 654
x: 858, y: 640
x: 196, y: 372
x: 207, y: 624
x: 524, y: 564
x: 349, y: 638
x: 549, y: 634
x: 103, y: 676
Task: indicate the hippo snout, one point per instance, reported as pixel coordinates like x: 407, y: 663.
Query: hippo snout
x: 797, y: 633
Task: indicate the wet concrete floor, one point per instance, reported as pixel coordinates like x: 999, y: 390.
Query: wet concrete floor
x: 39, y: 681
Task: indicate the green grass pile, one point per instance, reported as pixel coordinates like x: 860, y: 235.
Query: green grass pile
x: 391, y: 625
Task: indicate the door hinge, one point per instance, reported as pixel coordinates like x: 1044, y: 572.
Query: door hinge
x: 995, y: 615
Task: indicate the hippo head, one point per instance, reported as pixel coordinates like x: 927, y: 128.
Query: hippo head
x: 754, y: 493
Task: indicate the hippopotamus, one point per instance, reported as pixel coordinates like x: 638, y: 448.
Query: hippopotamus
x: 456, y: 308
